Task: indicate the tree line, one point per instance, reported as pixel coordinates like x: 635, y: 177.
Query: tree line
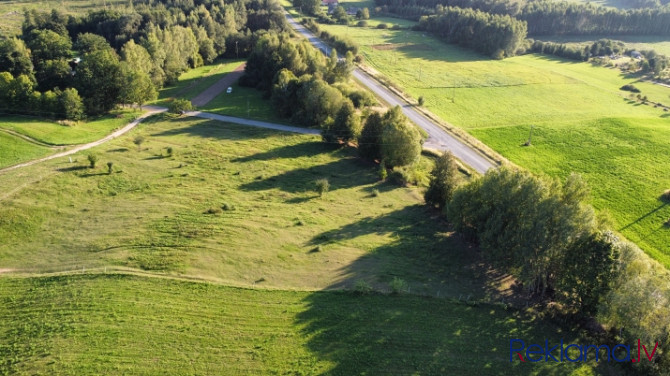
x: 491, y: 34
x: 544, y: 233
x: 547, y: 17
x: 312, y: 90
x: 123, y: 57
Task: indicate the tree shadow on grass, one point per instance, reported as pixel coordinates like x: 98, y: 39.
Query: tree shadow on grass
x: 420, y: 332
x: 342, y: 173
x: 218, y: 130
x: 411, y: 335
x: 421, y: 250
x: 305, y: 149
x: 72, y: 168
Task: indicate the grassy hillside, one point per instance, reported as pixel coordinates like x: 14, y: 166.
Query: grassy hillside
x: 15, y: 150
x: 582, y: 121
x: 115, y: 324
x: 50, y: 132
x: 232, y: 204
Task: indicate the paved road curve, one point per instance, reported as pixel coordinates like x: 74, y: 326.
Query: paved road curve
x: 438, y: 138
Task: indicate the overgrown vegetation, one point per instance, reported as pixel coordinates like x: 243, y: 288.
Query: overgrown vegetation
x: 120, y: 57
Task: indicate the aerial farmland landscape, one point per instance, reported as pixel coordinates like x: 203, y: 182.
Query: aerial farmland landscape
x: 353, y: 187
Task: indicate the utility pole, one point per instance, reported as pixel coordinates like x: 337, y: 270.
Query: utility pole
x: 530, y: 135
x: 237, y: 52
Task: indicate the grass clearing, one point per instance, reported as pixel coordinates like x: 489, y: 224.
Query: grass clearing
x: 197, y: 80
x: 50, y: 132
x: 118, y: 324
x: 15, y: 150
x: 175, y: 209
x: 582, y: 121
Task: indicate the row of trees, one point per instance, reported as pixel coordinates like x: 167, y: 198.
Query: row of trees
x: 548, y: 17
x: 342, y: 44
x: 653, y: 62
x: 125, y: 57
x: 542, y: 232
x: 313, y: 90
x: 495, y: 35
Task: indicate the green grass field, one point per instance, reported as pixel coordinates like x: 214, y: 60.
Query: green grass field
x: 195, y: 81
x: 582, y: 121
x: 15, y: 150
x: 52, y: 133
x: 280, y: 233
x: 117, y: 324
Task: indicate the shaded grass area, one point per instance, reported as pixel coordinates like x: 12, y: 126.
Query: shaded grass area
x: 232, y: 204
x: 583, y: 122
x: 195, y: 81
x: 116, y: 324
x: 14, y: 150
x: 50, y: 132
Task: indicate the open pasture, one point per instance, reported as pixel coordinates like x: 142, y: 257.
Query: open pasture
x: 581, y: 121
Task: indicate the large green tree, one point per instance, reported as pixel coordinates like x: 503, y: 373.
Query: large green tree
x: 99, y: 81
x: 15, y: 57
x: 400, y: 140
x: 444, y: 179
x: 370, y: 138
x: 48, y: 45
x: 346, y: 125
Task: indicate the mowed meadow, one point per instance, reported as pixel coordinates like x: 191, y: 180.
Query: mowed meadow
x: 121, y: 324
x: 581, y: 121
x: 100, y: 268
x: 231, y: 204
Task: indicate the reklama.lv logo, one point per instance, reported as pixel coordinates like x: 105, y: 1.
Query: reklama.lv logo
x: 576, y: 353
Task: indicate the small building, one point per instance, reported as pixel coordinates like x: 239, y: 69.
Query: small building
x: 636, y: 55
x: 329, y: 2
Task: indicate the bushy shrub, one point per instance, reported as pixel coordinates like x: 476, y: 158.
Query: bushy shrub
x: 395, y: 27
x: 382, y: 26
x: 322, y: 186
x: 362, y: 287
x: 362, y: 24
x: 178, y: 106
x: 92, y: 159
x: 398, y: 286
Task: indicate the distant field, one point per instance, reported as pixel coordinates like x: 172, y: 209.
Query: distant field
x: 114, y: 324
x: 15, y: 150
x: 11, y: 12
x: 50, y: 132
x: 582, y: 121
x: 278, y: 232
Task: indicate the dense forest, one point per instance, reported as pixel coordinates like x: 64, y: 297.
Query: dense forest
x: 491, y: 34
x: 122, y: 57
x: 547, y: 17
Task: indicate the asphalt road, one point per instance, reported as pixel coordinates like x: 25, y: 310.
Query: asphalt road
x: 438, y: 138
